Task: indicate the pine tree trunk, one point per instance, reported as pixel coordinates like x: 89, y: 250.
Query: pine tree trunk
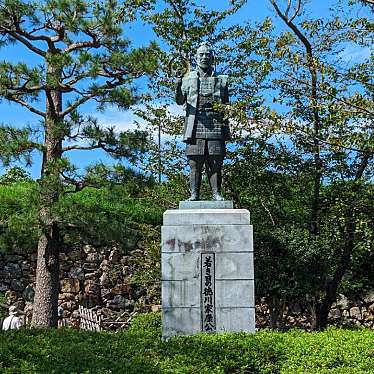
x: 48, y: 267
x: 47, y: 279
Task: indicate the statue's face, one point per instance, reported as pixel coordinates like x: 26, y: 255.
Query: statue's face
x: 204, y: 58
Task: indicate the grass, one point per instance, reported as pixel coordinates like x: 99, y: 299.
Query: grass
x: 141, y: 350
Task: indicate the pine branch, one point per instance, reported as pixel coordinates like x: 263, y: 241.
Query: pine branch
x: 21, y: 39
x: 12, y: 97
x: 82, y: 148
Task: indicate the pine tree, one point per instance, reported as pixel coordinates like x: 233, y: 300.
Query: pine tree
x: 82, y: 56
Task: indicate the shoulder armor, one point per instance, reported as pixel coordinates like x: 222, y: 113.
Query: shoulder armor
x: 191, y: 74
x: 223, y: 78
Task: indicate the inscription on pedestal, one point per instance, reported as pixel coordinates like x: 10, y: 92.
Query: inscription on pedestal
x: 208, y: 304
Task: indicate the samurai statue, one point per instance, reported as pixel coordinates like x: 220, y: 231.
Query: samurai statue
x: 205, y: 130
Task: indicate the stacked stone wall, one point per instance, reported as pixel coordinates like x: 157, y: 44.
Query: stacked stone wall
x: 99, y: 278
x: 102, y: 278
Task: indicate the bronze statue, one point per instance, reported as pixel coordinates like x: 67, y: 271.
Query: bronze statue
x: 205, y: 129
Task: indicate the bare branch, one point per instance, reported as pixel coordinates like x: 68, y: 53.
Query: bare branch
x: 296, y: 11
x: 294, y: 28
x: 288, y: 8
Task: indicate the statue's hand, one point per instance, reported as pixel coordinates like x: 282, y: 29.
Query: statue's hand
x: 178, y: 67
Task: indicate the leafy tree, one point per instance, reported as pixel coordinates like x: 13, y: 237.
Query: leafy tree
x: 321, y: 142
x: 82, y: 56
x: 181, y: 25
x: 15, y: 174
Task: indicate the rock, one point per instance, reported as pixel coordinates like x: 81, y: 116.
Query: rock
x: 68, y: 306
x: 126, y: 270
x: 115, y: 256
x: 13, y: 269
x: 104, y: 280
x: 75, y: 314
x: 25, y: 266
x: 105, y: 293
x: 29, y: 293
x: 12, y: 258
x: 17, y: 285
x: 4, y: 286
x: 342, y: 302
x: 63, y: 257
x: 105, y: 312
x: 355, y: 312
x: 335, y: 314
x: 75, y: 255
x: 67, y: 296
x: 155, y: 308
x: 369, y: 298
x: 69, y: 285
x: 77, y: 272
x: 121, y: 289
x: 89, y: 301
x: 89, y: 248
x: 5, y: 275
x: 93, y: 276
x: 345, y: 313
x: 117, y: 303
x: 91, y: 287
x: 10, y: 297
x: 94, y: 257
x: 90, y: 266
x: 104, y: 266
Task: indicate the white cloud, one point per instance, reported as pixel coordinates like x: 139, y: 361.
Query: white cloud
x: 355, y: 54
x: 128, y: 120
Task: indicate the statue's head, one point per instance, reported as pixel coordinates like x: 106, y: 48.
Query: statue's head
x: 204, y: 56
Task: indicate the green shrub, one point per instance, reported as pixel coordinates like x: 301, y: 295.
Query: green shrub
x: 141, y: 350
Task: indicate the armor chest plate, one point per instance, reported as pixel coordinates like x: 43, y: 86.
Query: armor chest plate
x: 206, y: 86
x: 206, y: 93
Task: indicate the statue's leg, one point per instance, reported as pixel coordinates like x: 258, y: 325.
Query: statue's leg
x: 196, y: 166
x: 214, y: 171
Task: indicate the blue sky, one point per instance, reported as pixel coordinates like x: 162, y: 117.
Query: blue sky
x: 140, y: 34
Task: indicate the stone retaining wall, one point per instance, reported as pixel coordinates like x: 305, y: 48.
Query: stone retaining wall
x: 90, y: 276
x: 102, y: 278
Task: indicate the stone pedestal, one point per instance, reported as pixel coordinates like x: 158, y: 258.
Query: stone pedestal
x: 207, y: 269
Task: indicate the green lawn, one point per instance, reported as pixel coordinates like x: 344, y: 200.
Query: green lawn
x: 141, y: 350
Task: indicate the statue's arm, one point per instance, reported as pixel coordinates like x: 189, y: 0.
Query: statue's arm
x: 226, y: 97
x: 180, y: 95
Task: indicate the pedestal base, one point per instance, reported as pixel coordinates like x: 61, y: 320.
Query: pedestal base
x: 207, y: 271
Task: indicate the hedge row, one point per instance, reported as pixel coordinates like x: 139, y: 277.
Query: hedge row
x: 141, y: 350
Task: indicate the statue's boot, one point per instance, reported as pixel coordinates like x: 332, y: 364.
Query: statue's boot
x: 215, y: 177
x: 196, y: 164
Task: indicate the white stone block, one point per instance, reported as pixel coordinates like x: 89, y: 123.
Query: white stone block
x: 234, y: 293
x: 184, y: 293
x: 180, y: 321
x: 206, y: 217
x: 207, y: 238
x: 180, y: 265
x: 234, y: 265
x: 235, y: 319
x: 219, y: 291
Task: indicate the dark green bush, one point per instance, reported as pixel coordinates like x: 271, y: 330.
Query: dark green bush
x: 141, y: 350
